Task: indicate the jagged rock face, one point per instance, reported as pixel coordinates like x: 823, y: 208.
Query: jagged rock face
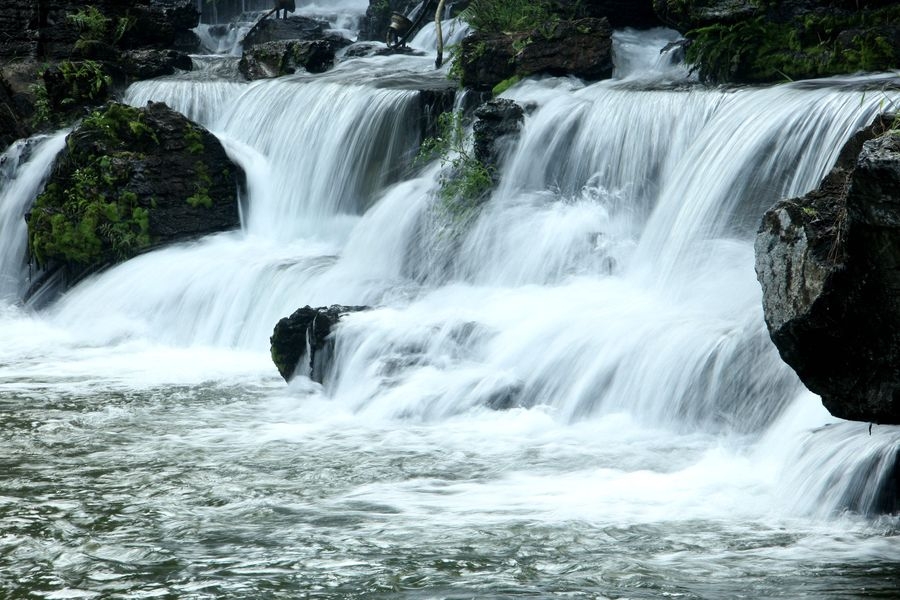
x: 301, y: 344
x: 149, y: 63
x: 829, y: 266
x: 497, y: 123
x: 582, y: 48
x: 128, y: 180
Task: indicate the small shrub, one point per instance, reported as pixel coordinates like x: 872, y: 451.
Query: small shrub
x: 507, y: 16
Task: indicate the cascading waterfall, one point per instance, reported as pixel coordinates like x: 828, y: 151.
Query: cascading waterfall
x: 604, y: 296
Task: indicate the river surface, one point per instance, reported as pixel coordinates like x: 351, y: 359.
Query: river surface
x: 568, y: 394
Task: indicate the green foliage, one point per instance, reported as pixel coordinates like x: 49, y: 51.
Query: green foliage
x: 43, y: 114
x: 465, y: 181
x: 759, y: 50
x: 85, y: 81
x: 117, y: 122
x: 94, y: 26
x: 90, y: 220
x: 90, y: 22
x: 496, y: 16
x: 194, y: 139
x: 201, y: 196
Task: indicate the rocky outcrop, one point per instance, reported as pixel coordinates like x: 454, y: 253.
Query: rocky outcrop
x: 150, y: 63
x: 497, y: 124
x: 130, y: 179
x: 276, y: 47
x: 744, y: 41
x: 273, y: 59
x: 302, y: 344
x: 281, y: 30
x: 582, y: 48
x: 829, y: 266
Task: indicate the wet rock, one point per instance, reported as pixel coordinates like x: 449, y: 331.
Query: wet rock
x: 130, y: 179
x: 829, y: 266
x: 283, y: 30
x: 301, y: 344
x: 497, y: 124
x: 273, y: 59
x: 582, y: 48
x: 150, y: 63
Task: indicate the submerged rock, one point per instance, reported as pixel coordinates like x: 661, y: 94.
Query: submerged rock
x: 582, y: 48
x: 130, y: 179
x: 829, y: 266
x: 306, y: 334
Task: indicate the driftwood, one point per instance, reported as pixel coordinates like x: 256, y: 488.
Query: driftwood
x: 255, y: 25
x: 439, y: 59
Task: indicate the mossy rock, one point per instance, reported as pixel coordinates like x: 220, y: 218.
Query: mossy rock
x: 787, y: 44
x: 130, y: 179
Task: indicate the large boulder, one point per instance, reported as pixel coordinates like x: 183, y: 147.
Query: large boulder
x: 280, y: 30
x: 582, y: 48
x: 829, y: 266
x: 302, y: 344
x: 12, y: 122
x: 130, y: 179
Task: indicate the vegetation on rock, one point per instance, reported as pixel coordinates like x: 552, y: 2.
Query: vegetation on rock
x: 806, y: 45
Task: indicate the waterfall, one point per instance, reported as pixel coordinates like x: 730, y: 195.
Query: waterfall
x: 588, y: 348
x: 25, y: 167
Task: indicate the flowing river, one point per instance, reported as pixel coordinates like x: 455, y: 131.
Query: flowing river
x: 570, y: 395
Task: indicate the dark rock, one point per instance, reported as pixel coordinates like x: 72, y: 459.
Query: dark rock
x: 432, y: 104
x: 582, y: 48
x: 829, y: 266
x: 130, y: 179
x: 13, y: 124
x: 683, y: 15
x: 273, y: 59
x: 150, y: 63
x: 282, y: 30
x: 306, y: 334
x: 621, y: 13
x: 497, y: 123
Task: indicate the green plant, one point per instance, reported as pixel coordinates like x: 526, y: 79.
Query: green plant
x: 43, y: 114
x: 506, y: 84
x: 464, y: 180
x: 508, y: 15
x: 91, y: 23
x: 85, y: 80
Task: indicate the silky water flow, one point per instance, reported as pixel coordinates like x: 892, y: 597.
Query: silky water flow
x: 570, y: 394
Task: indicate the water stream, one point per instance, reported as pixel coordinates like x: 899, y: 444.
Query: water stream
x: 571, y: 395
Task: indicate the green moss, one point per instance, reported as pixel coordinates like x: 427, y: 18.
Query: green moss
x: 759, y: 50
x: 201, y: 196
x: 506, y: 84
x: 193, y: 137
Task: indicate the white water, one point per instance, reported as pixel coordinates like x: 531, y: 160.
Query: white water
x: 606, y: 292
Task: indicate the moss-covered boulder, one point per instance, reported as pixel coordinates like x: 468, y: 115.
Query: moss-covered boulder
x: 757, y: 41
x: 582, y: 48
x: 130, y: 179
